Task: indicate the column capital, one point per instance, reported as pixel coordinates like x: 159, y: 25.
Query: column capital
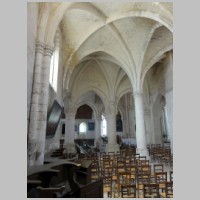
x: 44, y: 49
x: 111, y: 108
x: 48, y: 51
x: 39, y: 47
x: 98, y: 117
x: 138, y: 93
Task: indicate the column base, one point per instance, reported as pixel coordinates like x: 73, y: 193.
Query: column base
x: 39, y: 158
x: 70, y: 147
x: 31, y: 159
x: 143, y: 152
x: 112, y: 148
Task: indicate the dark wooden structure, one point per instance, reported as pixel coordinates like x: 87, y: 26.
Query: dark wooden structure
x: 84, y: 171
x: 63, y: 179
x: 82, y: 142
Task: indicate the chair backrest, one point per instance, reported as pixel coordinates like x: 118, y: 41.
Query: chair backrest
x: 111, y: 153
x: 131, y: 167
x: 144, y: 169
x: 143, y: 178
x: 124, y: 178
x: 161, y: 177
x: 169, y: 189
x: 158, y: 168
x: 171, y: 176
x: 95, y: 170
x: 128, y: 191
x: 107, y: 181
x: 151, y: 190
x: 120, y: 168
x: 108, y: 170
x: 142, y: 162
x: 106, y: 162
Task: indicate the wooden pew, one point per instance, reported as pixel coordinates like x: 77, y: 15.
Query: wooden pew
x: 59, y: 179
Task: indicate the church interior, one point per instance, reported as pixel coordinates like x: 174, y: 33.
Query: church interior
x: 100, y: 100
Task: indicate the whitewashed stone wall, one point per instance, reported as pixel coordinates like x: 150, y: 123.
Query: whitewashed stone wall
x: 169, y: 94
x: 160, y: 81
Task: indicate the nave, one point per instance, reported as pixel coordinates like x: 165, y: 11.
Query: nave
x: 99, y: 90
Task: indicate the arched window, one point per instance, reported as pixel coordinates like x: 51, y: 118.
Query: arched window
x: 103, y: 126
x: 53, y: 77
x: 83, y: 128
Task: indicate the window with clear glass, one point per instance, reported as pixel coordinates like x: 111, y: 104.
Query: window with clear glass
x: 83, y: 128
x: 103, y: 126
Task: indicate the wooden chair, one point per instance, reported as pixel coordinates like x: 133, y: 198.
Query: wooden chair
x: 144, y: 169
x: 142, y: 162
x: 121, y: 165
x: 107, y: 185
x: 129, y: 159
x: 158, y: 168
x: 168, y: 192
x: 112, y: 156
x: 106, y: 162
x: 169, y: 189
x: 120, y: 168
x: 110, y: 171
x: 151, y: 190
x: 133, y: 169
x: 167, y: 157
x: 159, y: 154
x: 161, y: 180
x: 141, y: 180
x: 171, y: 176
x: 171, y: 160
x: 123, y: 178
x: 95, y: 171
x: 137, y: 156
x: 122, y: 153
x: 128, y: 191
x: 142, y: 158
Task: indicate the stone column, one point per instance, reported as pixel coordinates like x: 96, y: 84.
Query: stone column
x: 166, y: 121
x: 36, y: 105
x: 69, y: 132
x: 140, y: 126
x: 112, y: 145
x: 132, y: 121
x: 98, y: 140
x: 43, y: 105
x: 153, y: 137
x: 98, y: 127
x: 147, y: 118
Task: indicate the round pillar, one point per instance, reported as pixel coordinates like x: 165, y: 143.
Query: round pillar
x: 112, y: 145
x: 70, y: 133
x: 39, y: 102
x: 43, y: 105
x: 140, y: 126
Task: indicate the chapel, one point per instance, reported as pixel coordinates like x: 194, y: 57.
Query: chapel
x: 100, y: 99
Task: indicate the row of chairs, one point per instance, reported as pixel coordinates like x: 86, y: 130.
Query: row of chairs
x: 161, y: 154
x: 115, y: 167
x: 126, y: 184
x: 149, y: 191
